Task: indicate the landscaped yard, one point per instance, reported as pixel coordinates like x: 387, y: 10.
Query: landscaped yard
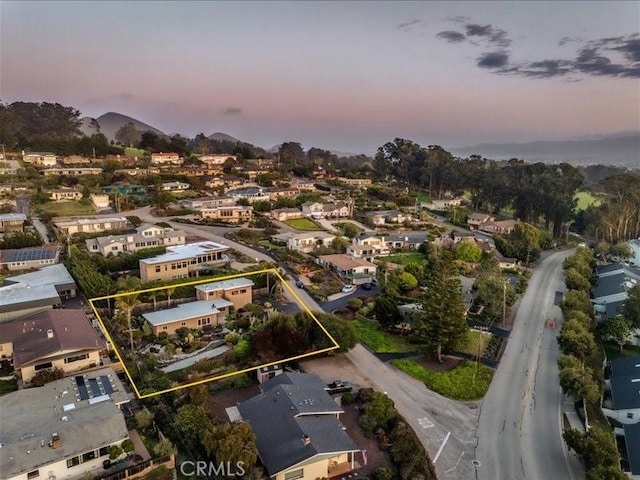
x: 303, y: 224
x: 464, y: 382
x: 613, y: 351
x: 7, y: 386
x: 405, y: 259
x: 67, y: 209
x: 135, y: 152
x: 381, y: 342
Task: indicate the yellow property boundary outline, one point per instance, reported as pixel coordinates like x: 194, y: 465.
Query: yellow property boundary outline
x: 219, y: 377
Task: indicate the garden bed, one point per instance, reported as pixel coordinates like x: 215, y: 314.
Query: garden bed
x: 303, y: 224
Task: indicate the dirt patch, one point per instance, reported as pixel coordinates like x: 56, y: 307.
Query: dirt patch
x: 228, y: 398
x: 337, y: 367
x: 449, y: 363
x: 375, y: 457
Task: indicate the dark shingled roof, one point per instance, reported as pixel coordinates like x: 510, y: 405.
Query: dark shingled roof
x: 293, y: 406
x: 632, y: 439
x: 625, y: 383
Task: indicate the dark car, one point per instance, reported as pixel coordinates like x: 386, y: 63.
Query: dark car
x: 367, y: 286
x: 299, y: 284
x: 338, y: 386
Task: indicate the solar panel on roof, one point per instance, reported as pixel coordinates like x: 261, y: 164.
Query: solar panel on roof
x: 106, y: 384
x: 82, y: 388
x: 93, y: 386
x: 30, y: 255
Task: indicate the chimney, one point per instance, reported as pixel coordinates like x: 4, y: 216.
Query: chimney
x: 55, y: 440
x: 50, y: 333
x: 306, y: 439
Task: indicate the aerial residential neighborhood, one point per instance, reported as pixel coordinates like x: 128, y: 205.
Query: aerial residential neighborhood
x: 414, y: 255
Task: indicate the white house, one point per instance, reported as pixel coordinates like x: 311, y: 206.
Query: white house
x: 305, y: 241
x: 42, y: 159
x: 99, y: 201
x: 166, y: 158
x: 64, y: 429
x: 146, y: 236
x: 624, y: 388
x: 175, y: 186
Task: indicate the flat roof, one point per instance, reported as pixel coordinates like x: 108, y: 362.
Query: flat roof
x: 31, y: 416
x: 185, y: 252
x: 18, y: 297
x: 29, y: 254
x: 185, y: 311
x: 345, y: 262
x: 8, y: 217
x: 49, y: 275
x: 225, y: 284
x: 89, y: 221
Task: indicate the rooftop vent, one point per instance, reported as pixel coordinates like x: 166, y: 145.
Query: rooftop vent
x: 50, y: 333
x: 55, y: 440
x: 306, y: 439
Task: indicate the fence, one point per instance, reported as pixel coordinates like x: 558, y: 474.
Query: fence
x: 141, y: 468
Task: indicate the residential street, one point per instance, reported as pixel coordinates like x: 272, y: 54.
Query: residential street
x: 519, y: 435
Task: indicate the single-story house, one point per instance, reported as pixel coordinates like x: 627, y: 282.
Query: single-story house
x: 624, y: 386
x: 283, y: 214
x: 475, y: 220
x: 384, y: 217
x: 227, y: 214
x: 61, y: 194
x: 351, y: 269
x: 411, y: 240
x: 298, y: 430
x: 191, y: 315
x: 239, y: 291
x: 207, y: 202
x: 166, y: 158
x: 42, y: 159
x: 27, y: 258
x: 304, y: 241
x: 175, y: 186
x: 63, y: 339
x: 12, y: 222
x: 502, y: 227
x: 99, y: 201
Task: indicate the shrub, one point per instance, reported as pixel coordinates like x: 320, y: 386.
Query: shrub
x: 367, y: 424
x: 144, y: 418
x: 383, y: 473
x: 232, y: 338
x: 364, y: 395
x: 242, y: 348
x: 348, y: 398
x: 46, y: 376
x: 127, y: 446
x: 355, y: 303
x: 114, y: 452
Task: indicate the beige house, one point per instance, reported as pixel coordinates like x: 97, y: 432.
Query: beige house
x: 217, y: 158
x: 231, y: 214
x: 355, y: 182
x: 304, y: 241
x: 66, y: 228
x: 207, y: 202
x: 502, y: 227
x: 239, y: 291
x: 442, y: 204
x: 293, y: 409
x: 62, y: 194
x: 71, y: 171
x: 351, y: 269
x: 165, y: 158
x: 50, y: 339
x: 183, y: 261
x: 175, y: 186
x: 28, y: 258
x: 41, y: 159
x: 76, y: 160
x: 191, y: 315
x: 384, y: 217
x: 283, y: 214
x: 100, y: 201
x: 146, y: 236
x: 11, y: 222
x: 475, y: 220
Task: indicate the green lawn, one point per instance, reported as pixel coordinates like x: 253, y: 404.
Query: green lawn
x: 303, y: 224
x: 7, y: 386
x: 379, y: 341
x: 586, y: 199
x: 135, y: 152
x: 67, y: 209
x: 613, y: 351
x: 471, y: 345
x: 423, y: 197
x: 405, y: 259
x: 465, y: 382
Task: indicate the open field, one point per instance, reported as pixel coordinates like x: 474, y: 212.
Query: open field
x: 67, y: 209
x: 473, y: 339
x: 303, y: 224
x: 135, y: 152
x: 405, y: 259
x: 381, y: 342
x: 585, y: 200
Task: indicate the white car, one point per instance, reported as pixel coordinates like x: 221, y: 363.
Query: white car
x: 348, y: 288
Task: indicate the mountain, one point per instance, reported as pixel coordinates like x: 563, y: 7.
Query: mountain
x: 621, y: 149
x: 223, y: 137
x: 111, y: 122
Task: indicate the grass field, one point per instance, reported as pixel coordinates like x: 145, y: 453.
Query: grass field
x: 379, y: 341
x: 303, y: 224
x: 67, y: 209
x: 465, y: 382
x: 423, y: 197
x: 613, y: 351
x: 135, y: 152
x: 471, y: 345
x: 405, y: 259
x: 585, y: 200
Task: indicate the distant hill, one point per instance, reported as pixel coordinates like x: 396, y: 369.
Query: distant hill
x: 223, y: 137
x: 618, y: 149
x: 111, y: 122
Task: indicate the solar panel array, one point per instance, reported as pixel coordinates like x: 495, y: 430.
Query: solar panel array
x: 87, y: 388
x: 30, y: 255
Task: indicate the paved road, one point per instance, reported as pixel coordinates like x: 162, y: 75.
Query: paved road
x: 519, y: 434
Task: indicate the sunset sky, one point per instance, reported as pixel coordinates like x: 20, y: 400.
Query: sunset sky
x: 339, y: 75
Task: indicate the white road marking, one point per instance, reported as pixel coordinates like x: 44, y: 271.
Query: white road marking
x: 441, y: 447
x: 424, y: 422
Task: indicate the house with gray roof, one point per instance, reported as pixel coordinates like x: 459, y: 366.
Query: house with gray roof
x: 623, y: 387
x: 611, y: 289
x: 632, y: 441
x: 191, y: 315
x: 298, y: 430
x: 27, y: 258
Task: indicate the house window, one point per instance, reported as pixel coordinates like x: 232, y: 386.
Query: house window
x: 103, y: 451
x: 72, y: 462
x: 164, y: 328
x: 34, y: 474
x: 630, y: 415
x: 87, y: 457
x: 296, y: 474
x: 183, y: 324
x: 158, y: 269
x: 43, y: 366
x: 76, y: 358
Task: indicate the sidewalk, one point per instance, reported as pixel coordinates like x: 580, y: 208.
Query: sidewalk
x: 569, y: 412
x: 138, y: 445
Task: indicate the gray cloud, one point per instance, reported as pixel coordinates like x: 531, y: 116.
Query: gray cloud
x: 232, y: 111
x: 408, y: 26
x: 493, y: 60
x: 495, y: 36
x: 452, y: 36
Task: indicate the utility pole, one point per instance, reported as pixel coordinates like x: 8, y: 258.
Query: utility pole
x: 4, y: 157
x: 504, y: 303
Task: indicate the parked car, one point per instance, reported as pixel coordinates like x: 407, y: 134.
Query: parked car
x: 338, y: 386
x: 367, y: 286
x: 348, y: 289
x: 299, y: 284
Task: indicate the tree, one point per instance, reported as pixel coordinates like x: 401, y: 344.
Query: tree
x: 380, y: 409
x: 386, y: 312
x: 232, y: 444
x: 441, y: 323
x: 575, y: 281
x: 405, y: 281
x: 349, y: 230
x: 291, y: 155
x: 342, y: 332
x: 494, y: 293
x: 468, y: 251
x: 20, y: 239
x: 617, y: 329
x: 192, y: 421
x: 576, y: 379
x: 597, y: 447
x: 144, y: 418
x: 576, y: 340
x: 606, y: 473
x: 128, y: 135
x: 631, y: 309
x: 577, y: 300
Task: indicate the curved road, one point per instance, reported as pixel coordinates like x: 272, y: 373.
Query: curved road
x: 520, y: 429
